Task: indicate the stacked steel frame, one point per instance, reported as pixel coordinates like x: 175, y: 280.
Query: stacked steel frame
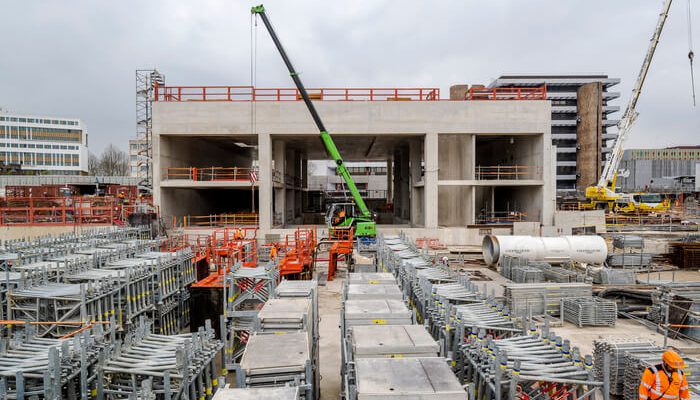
x: 498, y: 350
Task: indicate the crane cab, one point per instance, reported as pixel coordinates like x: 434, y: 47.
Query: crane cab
x: 346, y: 215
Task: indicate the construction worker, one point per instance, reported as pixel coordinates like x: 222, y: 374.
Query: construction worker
x: 238, y: 234
x: 273, y: 252
x: 665, y: 380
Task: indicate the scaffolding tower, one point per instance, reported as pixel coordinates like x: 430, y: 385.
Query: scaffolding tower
x: 146, y: 80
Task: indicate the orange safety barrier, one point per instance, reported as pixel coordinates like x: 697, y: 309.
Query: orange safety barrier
x: 224, y: 247
x: 502, y: 172
x: 83, y: 210
x: 217, y: 220
x: 515, y: 93
x: 209, y: 174
x: 342, y: 239
x: 298, y: 252
x: 250, y: 93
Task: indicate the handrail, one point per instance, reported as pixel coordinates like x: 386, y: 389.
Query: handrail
x: 515, y: 93
x: 250, y: 93
x: 507, y: 172
x: 209, y: 174
x: 219, y: 220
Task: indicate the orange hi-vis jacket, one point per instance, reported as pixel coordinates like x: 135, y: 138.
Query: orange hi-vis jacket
x: 655, y: 385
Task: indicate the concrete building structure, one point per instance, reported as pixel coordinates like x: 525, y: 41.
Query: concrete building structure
x: 672, y: 169
x: 582, y: 128
x: 451, y: 161
x: 43, y: 145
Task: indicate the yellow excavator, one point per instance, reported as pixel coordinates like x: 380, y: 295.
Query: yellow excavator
x: 603, y: 195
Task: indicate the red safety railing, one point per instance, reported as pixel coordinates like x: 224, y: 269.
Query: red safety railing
x: 250, y: 93
x: 515, y: 93
x: 61, y: 211
x: 210, y: 174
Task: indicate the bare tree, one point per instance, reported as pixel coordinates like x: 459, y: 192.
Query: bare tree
x: 112, y: 162
x: 93, y: 164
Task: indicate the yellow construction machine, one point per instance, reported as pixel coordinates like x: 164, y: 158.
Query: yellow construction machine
x: 603, y: 195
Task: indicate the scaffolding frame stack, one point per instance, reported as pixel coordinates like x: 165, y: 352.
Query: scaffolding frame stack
x: 53, y: 369
x: 245, y: 292
x: 589, y: 311
x: 496, y: 349
x: 152, y: 366
x: 542, y: 298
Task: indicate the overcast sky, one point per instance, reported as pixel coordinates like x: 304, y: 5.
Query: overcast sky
x: 76, y: 58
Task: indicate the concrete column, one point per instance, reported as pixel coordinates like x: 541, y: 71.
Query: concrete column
x: 589, y: 133
x: 431, y: 180
x: 265, y: 182
x: 280, y: 161
x: 415, y: 159
x: 405, y: 186
x: 390, y: 180
x: 304, y: 170
x: 396, y: 183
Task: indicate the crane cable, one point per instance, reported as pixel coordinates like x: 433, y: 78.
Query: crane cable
x: 691, y: 55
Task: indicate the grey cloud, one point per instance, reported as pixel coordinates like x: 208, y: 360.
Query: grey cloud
x: 77, y: 57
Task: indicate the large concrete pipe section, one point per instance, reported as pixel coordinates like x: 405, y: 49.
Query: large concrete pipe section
x: 585, y: 249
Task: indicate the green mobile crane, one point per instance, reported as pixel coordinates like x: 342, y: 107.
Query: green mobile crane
x: 356, y: 215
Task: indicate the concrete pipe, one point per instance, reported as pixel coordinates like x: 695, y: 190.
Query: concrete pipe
x: 586, y: 249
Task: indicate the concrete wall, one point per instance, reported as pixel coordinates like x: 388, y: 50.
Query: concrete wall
x: 456, y: 157
x: 567, y: 220
x: 589, y: 134
x: 30, y: 232
x: 198, y: 152
x: 455, y: 205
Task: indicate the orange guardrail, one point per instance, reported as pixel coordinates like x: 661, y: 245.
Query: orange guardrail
x: 515, y: 93
x: 61, y: 211
x: 216, y: 220
x: 209, y: 174
x: 504, y: 172
x: 250, y: 93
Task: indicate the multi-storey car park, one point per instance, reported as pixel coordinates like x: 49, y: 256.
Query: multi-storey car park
x: 43, y: 145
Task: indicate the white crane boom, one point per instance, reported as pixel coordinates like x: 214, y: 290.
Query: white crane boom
x: 630, y: 114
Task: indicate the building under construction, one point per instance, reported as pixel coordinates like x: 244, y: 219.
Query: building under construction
x: 359, y: 243
x: 452, y: 164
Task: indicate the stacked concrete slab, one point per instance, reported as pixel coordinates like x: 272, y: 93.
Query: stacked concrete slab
x: 384, y: 353
x: 283, y: 350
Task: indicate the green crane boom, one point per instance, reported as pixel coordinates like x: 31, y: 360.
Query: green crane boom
x: 364, y: 222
